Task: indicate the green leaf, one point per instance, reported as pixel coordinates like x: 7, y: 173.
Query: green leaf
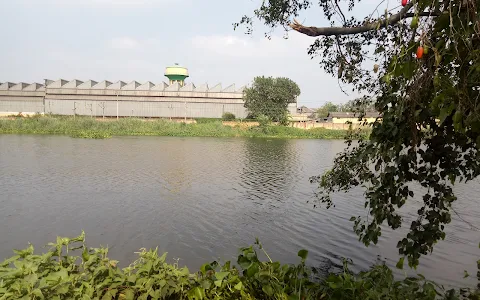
x: 31, y: 279
x: 244, y: 262
x: 238, y: 286
x: 79, y: 238
x: 63, y: 289
x: 408, y: 68
x: 399, y: 264
x: 221, y: 275
x: 196, y: 293
x: 132, y: 278
x: 128, y: 294
x: 85, y: 254
x: 303, y: 254
x: 19, y: 264
x: 218, y: 283
x: 37, y: 293
x: 206, y: 284
x: 110, y: 294
x: 444, y: 113
x: 442, y: 22
x: 143, y: 296
x: 252, y: 270
x: 162, y: 283
x: 25, y: 252
x: 8, y: 261
x: 205, y: 267
x: 226, y: 266
x: 267, y: 289
x: 184, y: 271
x: 163, y: 257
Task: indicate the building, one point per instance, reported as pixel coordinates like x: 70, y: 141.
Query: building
x: 303, y: 114
x: 343, y: 117
x: 176, y: 99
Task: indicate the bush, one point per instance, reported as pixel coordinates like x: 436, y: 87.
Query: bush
x: 59, y: 274
x: 264, y: 120
x: 228, y: 116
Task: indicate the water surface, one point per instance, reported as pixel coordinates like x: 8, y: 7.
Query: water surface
x: 201, y: 199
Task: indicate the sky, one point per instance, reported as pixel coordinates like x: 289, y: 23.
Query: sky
x: 136, y: 39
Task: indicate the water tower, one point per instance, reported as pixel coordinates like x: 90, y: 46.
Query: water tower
x: 176, y: 73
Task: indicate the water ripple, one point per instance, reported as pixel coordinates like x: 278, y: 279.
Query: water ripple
x: 202, y: 198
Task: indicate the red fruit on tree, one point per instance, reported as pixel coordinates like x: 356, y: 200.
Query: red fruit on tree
x: 404, y: 2
x: 419, y: 52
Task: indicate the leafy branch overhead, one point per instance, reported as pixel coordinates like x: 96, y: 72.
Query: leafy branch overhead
x: 367, y: 26
x: 419, y: 64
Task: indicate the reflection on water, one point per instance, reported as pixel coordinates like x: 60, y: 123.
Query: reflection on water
x: 200, y: 199
x: 267, y: 174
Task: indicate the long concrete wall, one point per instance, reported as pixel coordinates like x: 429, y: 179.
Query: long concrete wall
x: 121, y: 99
x: 327, y: 125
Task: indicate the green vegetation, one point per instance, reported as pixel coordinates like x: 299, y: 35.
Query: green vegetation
x: 270, y: 97
x: 85, y: 127
x: 360, y: 105
x: 228, y: 116
x: 419, y: 64
x: 412, y: 87
x: 71, y: 270
x: 327, y: 108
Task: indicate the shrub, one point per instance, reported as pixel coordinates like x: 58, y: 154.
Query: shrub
x: 59, y: 274
x: 264, y: 120
x: 228, y: 116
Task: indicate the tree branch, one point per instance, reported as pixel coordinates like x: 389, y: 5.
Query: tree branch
x: 327, y: 31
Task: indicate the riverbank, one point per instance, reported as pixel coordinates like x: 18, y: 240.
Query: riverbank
x: 85, y: 127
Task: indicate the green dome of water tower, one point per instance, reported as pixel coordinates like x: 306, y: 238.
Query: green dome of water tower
x: 177, y: 74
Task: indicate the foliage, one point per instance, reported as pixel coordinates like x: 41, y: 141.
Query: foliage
x: 361, y: 105
x: 327, y: 108
x: 71, y: 270
x: 228, y: 116
x: 264, y: 120
x: 89, y: 134
x: 86, y: 127
x: 429, y: 134
x: 270, y: 97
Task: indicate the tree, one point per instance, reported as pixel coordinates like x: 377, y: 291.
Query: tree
x: 422, y: 62
x: 361, y: 105
x: 328, y: 107
x: 270, y: 97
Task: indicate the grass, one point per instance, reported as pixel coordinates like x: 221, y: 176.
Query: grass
x: 85, y: 127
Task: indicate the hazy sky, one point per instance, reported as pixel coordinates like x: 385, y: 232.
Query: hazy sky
x: 136, y: 39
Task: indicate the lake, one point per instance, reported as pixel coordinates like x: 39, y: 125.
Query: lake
x: 200, y: 199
